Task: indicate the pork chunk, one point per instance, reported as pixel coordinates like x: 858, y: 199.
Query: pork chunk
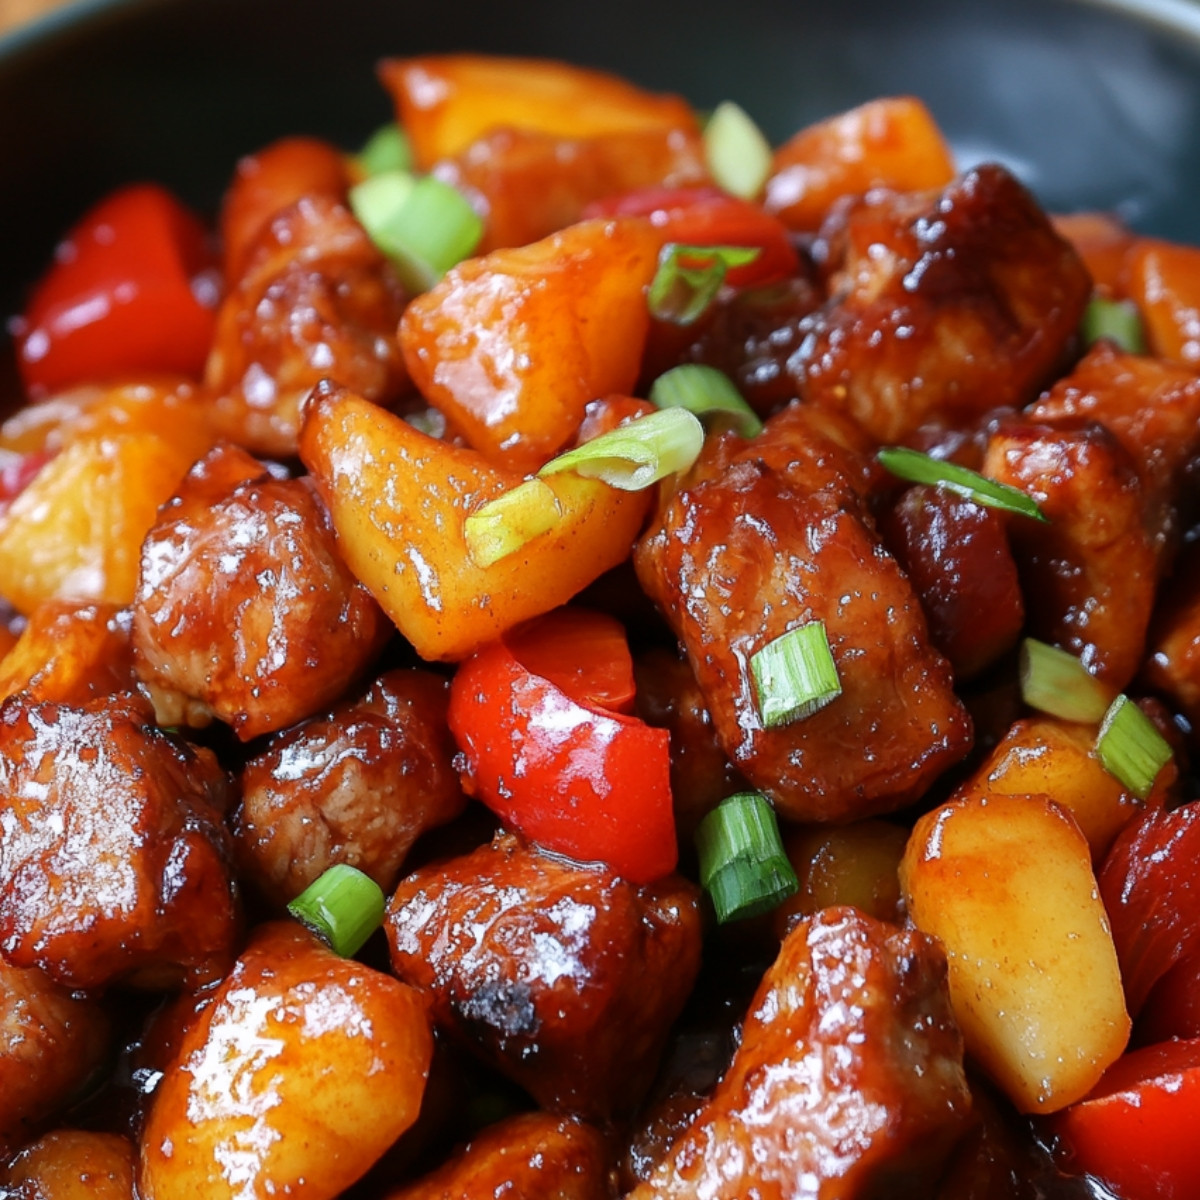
x: 113, y: 857
x: 358, y: 786
x: 567, y: 978
x: 943, y: 305
x: 848, y: 1081
x: 772, y: 534
x: 244, y: 608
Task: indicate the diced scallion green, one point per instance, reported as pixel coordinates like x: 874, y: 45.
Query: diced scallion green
x: 421, y: 224
x: 502, y: 526
x: 795, y: 675
x: 689, y: 277
x: 1130, y: 747
x: 1117, y: 320
x: 916, y: 467
x: 387, y: 149
x: 738, y: 154
x: 707, y: 392
x: 743, y: 866
x: 343, y: 907
x: 1056, y: 682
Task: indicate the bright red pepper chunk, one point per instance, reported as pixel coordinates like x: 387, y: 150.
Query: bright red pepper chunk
x: 565, y: 771
x: 121, y: 296
x: 1136, y: 1132
x: 707, y: 216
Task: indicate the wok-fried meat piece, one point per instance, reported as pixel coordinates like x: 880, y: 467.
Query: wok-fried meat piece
x: 1172, y: 665
x: 51, y: 1040
x: 769, y: 535
x: 565, y: 977
x: 72, y: 1164
x: 943, y: 305
x: 244, y: 604
x: 358, y: 786
x: 848, y: 1081
x: 534, y: 1156
x: 956, y: 554
x: 317, y: 301
x: 1089, y: 572
x: 114, y: 861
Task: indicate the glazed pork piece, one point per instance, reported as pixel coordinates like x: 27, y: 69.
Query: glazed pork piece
x: 51, y: 1040
x: 567, y: 978
x: 942, y: 305
x: 848, y: 1081
x: 317, y: 301
x: 244, y: 609
x: 114, y: 860
x: 357, y: 786
x: 771, y: 534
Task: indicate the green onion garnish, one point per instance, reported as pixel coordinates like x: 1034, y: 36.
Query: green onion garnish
x: 915, y: 467
x: 387, y: 149
x: 343, y: 908
x: 742, y: 863
x: 1130, y: 747
x: 637, y: 454
x: 795, y: 675
x: 705, y: 391
x: 738, y: 154
x: 689, y: 277
x: 422, y: 224
x: 502, y: 526
x: 1056, y: 682
x: 1117, y: 320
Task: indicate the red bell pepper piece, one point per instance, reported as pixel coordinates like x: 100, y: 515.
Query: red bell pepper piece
x: 707, y: 216
x: 121, y: 297
x: 1136, y: 1131
x: 554, y: 763
x: 1149, y: 884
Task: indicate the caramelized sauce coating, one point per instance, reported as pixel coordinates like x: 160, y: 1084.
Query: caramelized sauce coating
x: 770, y: 535
x: 244, y: 603
x: 565, y: 977
x: 358, y: 786
x: 316, y: 301
x: 848, y: 1081
x: 114, y: 861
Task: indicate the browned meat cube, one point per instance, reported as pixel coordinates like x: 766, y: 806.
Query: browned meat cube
x: 943, y: 305
x: 73, y: 1164
x: 769, y: 535
x: 956, y: 554
x: 51, y: 1040
x: 244, y: 604
x: 358, y: 786
x: 567, y: 978
x: 1089, y: 572
x: 848, y: 1081
x: 316, y: 301
x: 534, y: 1156
x: 1153, y: 409
x: 114, y: 860
x: 1172, y: 664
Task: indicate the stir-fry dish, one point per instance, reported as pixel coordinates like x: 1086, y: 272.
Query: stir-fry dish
x: 567, y: 652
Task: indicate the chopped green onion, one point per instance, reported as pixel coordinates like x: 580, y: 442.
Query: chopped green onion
x: 1117, y: 320
x: 635, y: 455
x: 743, y: 866
x: 738, y: 154
x: 387, y: 149
x: 689, y: 277
x: 502, y: 526
x: 705, y: 391
x: 795, y: 675
x: 1056, y: 682
x: 1130, y: 747
x: 916, y: 467
x: 423, y: 225
x: 343, y: 908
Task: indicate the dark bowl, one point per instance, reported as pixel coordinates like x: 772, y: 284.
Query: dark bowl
x: 1096, y: 104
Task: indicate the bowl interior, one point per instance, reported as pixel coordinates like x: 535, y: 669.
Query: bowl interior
x: 1095, y: 104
